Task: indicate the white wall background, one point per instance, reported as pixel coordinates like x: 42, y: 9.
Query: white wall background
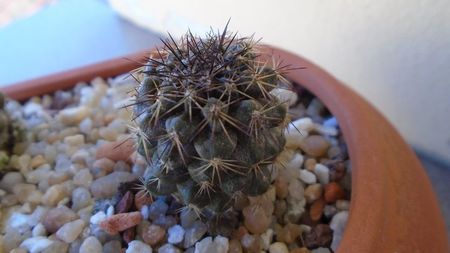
x: 394, y: 53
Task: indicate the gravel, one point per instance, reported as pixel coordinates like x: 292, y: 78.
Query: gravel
x: 63, y: 194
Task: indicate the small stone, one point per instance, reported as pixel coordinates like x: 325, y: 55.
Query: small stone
x: 337, y: 224
x: 194, y: 233
x: 342, y: 204
x: 36, y: 244
x: 70, y: 231
x: 38, y: 174
x: 106, y: 187
x: 313, y: 192
x: 320, y: 236
x: 86, y: 213
x: 289, y: 233
x: 307, y: 177
x: 18, y: 250
x: 280, y: 208
x: 83, y: 178
x: 329, y: 211
x: 266, y: 238
x: 37, y: 161
x: 315, y: 145
x: 57, y: 217
x: 145, y: 212
x: 234, y: 246
x: 176, y: 234
x: 251, y: 243
x: 91, y: 245
x: 239, y: 233
x: 255, y: 219
x: 316, y: 209
x: 53, y: 195
x: 98, y: 217
x: 39, y: 230
x: 125, y: 202
x: 158, y: 208
x: 108, y: 133
x: 285, y: 95
x: 73, y: 116
x: 333, y: 191
x: 116, y: 151
x: 110, y: 211
x: 296, y: 190
x: 187, y: 218
x: 278, y: 247
x: 74, y: 140
x: 310, y: 164
x: 112, y: 246
x: 81, y: 198
x: 323, y: 173
x: 120, y: 222
x: 85, y: 126
x: 11, y: 179
x: 153, y: 234
x: 138, y: 247
x: 169, y: 248
x: 142, y: 199
x: 207, y: 245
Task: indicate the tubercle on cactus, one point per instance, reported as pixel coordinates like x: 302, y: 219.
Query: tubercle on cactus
x: 206, y: 120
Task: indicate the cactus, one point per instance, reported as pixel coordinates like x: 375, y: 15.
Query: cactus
x: 206, y: 120
x: 10, y: 134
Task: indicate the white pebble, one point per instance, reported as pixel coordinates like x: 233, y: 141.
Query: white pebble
x: 110, y: 211
x: 81, y: 198
x: 98, y: 217
x: 221, y: 244
x: 138, y: 247
x: 207, y: 245
x: 70, y: 231
x: 10, y: 179
x: 39, y: 230
x: 176, y: 234
x: 169, y: 248
x: 296, y: 189
x: 325, y: 130
x: 83, y: 178
x: 36, y: 244
x: 321, y: 250
x: 91, y: 245
x: 278, y: 247
x: 267, y: 238
x: 337, y: 224
x: 295, y: 163
x: 74, y: 140
x: 322, y: 172
x: 73, y: 116
x: 86, y: 126
x: 284, y: 95
x: 145, y: 212
x: 307, y: 177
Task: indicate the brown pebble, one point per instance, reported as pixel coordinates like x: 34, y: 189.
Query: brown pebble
x: 281, y: 187
x: 333, y: 191
x: 239, y: 233
x: 153, y: 234
x: 251, y: 243
x: 320, y: 236
x: 316, y: 210
x: 280, y: 208
x: 289, y: 233
x: 120, y: 222
x: 255, y: 219
x: 129, y: 234
x: 141, y: 199
x: 57, y: 217
x: 313, y: 192
x: 234, y: 246
x: 310, y: 163
x: 117, y: 150
x: 315, y: 145
x: 125, y: 204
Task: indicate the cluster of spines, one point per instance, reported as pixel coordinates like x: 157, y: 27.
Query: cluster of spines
x: 207, y: 122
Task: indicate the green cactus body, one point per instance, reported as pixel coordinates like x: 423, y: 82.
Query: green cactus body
x: 207, y: 123
x: 10, y: 133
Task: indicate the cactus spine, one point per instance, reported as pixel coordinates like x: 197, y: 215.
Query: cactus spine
x: 207, y: 122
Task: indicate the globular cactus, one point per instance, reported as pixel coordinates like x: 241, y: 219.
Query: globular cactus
x: 207, y: 122
x: 10, y: 133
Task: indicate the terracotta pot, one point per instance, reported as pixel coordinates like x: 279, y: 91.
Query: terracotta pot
x: 393, y: 207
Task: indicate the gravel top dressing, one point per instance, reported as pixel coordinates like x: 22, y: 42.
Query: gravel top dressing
x: 63, y: 193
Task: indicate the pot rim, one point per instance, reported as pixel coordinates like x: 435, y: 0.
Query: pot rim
x: 407, y: 217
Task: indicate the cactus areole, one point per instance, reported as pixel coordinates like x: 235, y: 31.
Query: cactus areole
x: 207, y: 122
